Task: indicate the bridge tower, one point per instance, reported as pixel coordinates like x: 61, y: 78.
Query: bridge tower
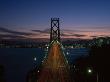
x: 55, y: 30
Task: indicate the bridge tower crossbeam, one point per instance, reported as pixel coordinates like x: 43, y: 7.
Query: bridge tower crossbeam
x: 55, y: 30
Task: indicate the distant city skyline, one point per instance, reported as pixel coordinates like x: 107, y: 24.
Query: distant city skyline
x: 84, y: 19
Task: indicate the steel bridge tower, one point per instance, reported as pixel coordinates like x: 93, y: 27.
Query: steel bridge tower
x: 55, y: 30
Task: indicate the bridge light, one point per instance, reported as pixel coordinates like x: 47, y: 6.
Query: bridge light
x: 67, y: 53
x: 35, y: 58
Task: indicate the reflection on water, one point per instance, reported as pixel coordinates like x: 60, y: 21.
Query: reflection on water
x: 18, y: 61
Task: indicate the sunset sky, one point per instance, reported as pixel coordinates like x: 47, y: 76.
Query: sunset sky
x: 31, y: 18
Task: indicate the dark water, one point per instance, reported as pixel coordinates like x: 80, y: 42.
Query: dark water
x: 18, y: 61
x: 73, y: 54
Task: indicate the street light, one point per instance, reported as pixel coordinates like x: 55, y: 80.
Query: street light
x: 89, y: 71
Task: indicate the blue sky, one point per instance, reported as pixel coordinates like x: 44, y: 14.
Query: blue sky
x: 27, y: 15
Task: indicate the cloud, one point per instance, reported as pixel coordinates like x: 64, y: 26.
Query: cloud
x: 76, y: 35
x: 64, y: 32
x: 33, y: 34
x: 38, y: 31
x: 94, y: 36
x: 42, y: 31
x: 101, y: 27
x: 67, y: 30
x: 10, y: 36
x: 79, y: 35
x: 13, y: 32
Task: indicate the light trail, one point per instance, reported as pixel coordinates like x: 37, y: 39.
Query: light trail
x: 55, y: 67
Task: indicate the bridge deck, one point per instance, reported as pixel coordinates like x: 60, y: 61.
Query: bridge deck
x: 55, y: 67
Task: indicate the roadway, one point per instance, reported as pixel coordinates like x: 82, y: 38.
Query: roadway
x: 55, y: 67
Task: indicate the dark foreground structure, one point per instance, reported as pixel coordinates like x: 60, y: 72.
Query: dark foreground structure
x: 95, y: 67
x: 2, y: 74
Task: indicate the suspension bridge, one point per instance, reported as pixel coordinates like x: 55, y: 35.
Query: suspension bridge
x: 55, y: 67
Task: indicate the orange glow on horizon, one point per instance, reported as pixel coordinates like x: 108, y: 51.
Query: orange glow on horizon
x: 87, y: 35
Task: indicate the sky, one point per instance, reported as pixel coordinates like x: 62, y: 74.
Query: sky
x: 31, y: 18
